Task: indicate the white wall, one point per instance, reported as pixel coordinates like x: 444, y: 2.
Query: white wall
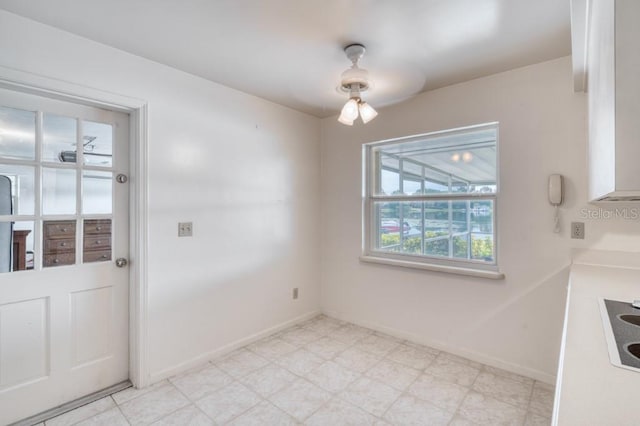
x: 244, y: 170
x: 515, y: 323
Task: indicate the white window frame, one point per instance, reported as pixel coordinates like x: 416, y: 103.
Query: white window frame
x: 470, y: 267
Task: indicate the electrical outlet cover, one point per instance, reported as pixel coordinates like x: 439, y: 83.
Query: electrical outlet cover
x: 185, y: 229
x: 577, y: 230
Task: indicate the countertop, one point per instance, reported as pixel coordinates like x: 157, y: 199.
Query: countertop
x: 590, y: 390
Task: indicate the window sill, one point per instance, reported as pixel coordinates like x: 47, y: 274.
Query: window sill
x: 479, y: 273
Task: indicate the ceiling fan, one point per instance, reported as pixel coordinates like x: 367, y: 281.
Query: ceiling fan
x: 354, y: 81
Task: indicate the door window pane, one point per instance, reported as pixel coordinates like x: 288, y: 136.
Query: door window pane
x: 96, y: 192
x: 58, y: 191
x: 58, y: 242
x: 16, y: 246
x: 97, y: 240
x: 17, y: 188
x: 17, y: 133
x: 60, y: 138
x: 98, y: 144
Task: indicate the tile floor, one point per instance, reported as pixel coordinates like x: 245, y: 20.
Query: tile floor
x: 326, y: 372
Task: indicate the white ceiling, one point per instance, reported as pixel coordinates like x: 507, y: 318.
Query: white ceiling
x: 290, y: 51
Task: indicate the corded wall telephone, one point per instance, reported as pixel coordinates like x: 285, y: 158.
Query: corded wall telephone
x: 556, y: 195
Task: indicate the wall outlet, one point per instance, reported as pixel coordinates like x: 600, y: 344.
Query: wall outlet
x: 577, y: 230
x: 295, y: 293
x: 185, y: 229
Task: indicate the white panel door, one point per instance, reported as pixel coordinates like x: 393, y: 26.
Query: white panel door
x: 64, y: 302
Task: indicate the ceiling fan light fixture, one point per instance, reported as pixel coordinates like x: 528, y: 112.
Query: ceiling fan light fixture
x: 367, y: 113
x: 355, y: 80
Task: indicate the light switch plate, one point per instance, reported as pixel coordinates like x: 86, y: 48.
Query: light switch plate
x: 185, y: 229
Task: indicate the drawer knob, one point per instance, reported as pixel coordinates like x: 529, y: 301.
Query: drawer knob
x: 98, y: 242
x: 104, y: 256
x: 63, y: 244
x: 64, y: 229
x: 98, y: 228
x: 56, y: 261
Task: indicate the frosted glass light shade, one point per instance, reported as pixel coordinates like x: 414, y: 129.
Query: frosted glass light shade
x: 367, y: 113
x: 349, y: 111
x: 343, y: 120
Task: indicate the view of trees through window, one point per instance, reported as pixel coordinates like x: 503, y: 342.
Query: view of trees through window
x: 435, y: 196
x: 448, y: 230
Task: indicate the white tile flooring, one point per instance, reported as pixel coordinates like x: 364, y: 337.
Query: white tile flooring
x: 326, y: 372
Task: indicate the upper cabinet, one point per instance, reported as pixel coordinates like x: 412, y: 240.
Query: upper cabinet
x: 606, y: 60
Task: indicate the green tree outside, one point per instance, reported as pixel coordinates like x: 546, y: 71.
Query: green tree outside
x: 481, y: 248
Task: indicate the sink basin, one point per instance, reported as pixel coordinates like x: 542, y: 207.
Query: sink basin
x: 631, y: 319
x: 634, y: 349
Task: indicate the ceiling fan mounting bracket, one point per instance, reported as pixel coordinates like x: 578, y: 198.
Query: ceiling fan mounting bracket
x: 354, y: 52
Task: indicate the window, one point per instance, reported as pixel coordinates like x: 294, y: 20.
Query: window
x: 431, y: 199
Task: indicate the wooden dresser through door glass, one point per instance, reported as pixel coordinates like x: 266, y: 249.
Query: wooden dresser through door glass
x: 59, y: 243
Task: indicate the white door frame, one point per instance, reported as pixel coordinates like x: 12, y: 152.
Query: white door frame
x: 21, y: 81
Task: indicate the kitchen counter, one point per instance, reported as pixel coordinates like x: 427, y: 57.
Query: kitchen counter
x: 590, y: 390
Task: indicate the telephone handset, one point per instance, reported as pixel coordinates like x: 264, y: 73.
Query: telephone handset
x: 556, y: 197
x: 555, y: 190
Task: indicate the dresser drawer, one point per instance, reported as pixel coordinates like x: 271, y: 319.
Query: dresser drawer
x: 59, y: 229
x: 97, y: 256
x: 59, y: 259
x: 59, y: 245
x: 97, y: 242
x: 97, y: 226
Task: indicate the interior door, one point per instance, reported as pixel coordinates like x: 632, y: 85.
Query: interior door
x: 63, y: 300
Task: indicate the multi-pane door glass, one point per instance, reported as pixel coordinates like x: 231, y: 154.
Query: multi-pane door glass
x: 435, y: 196
x: 54, y: 209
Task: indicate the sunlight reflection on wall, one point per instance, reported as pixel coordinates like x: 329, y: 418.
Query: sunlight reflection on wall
x: 240, y: 198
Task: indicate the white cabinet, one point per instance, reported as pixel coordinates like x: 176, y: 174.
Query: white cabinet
x: 613, y: 86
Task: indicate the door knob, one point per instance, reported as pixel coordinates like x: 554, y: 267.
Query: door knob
x: 121, y: 262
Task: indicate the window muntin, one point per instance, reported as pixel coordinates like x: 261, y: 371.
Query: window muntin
x: 432, y: 198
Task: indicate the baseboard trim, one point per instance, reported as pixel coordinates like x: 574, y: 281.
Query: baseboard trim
x: 472, y: 355
x: 215, y: 353
x: 72, y: 405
